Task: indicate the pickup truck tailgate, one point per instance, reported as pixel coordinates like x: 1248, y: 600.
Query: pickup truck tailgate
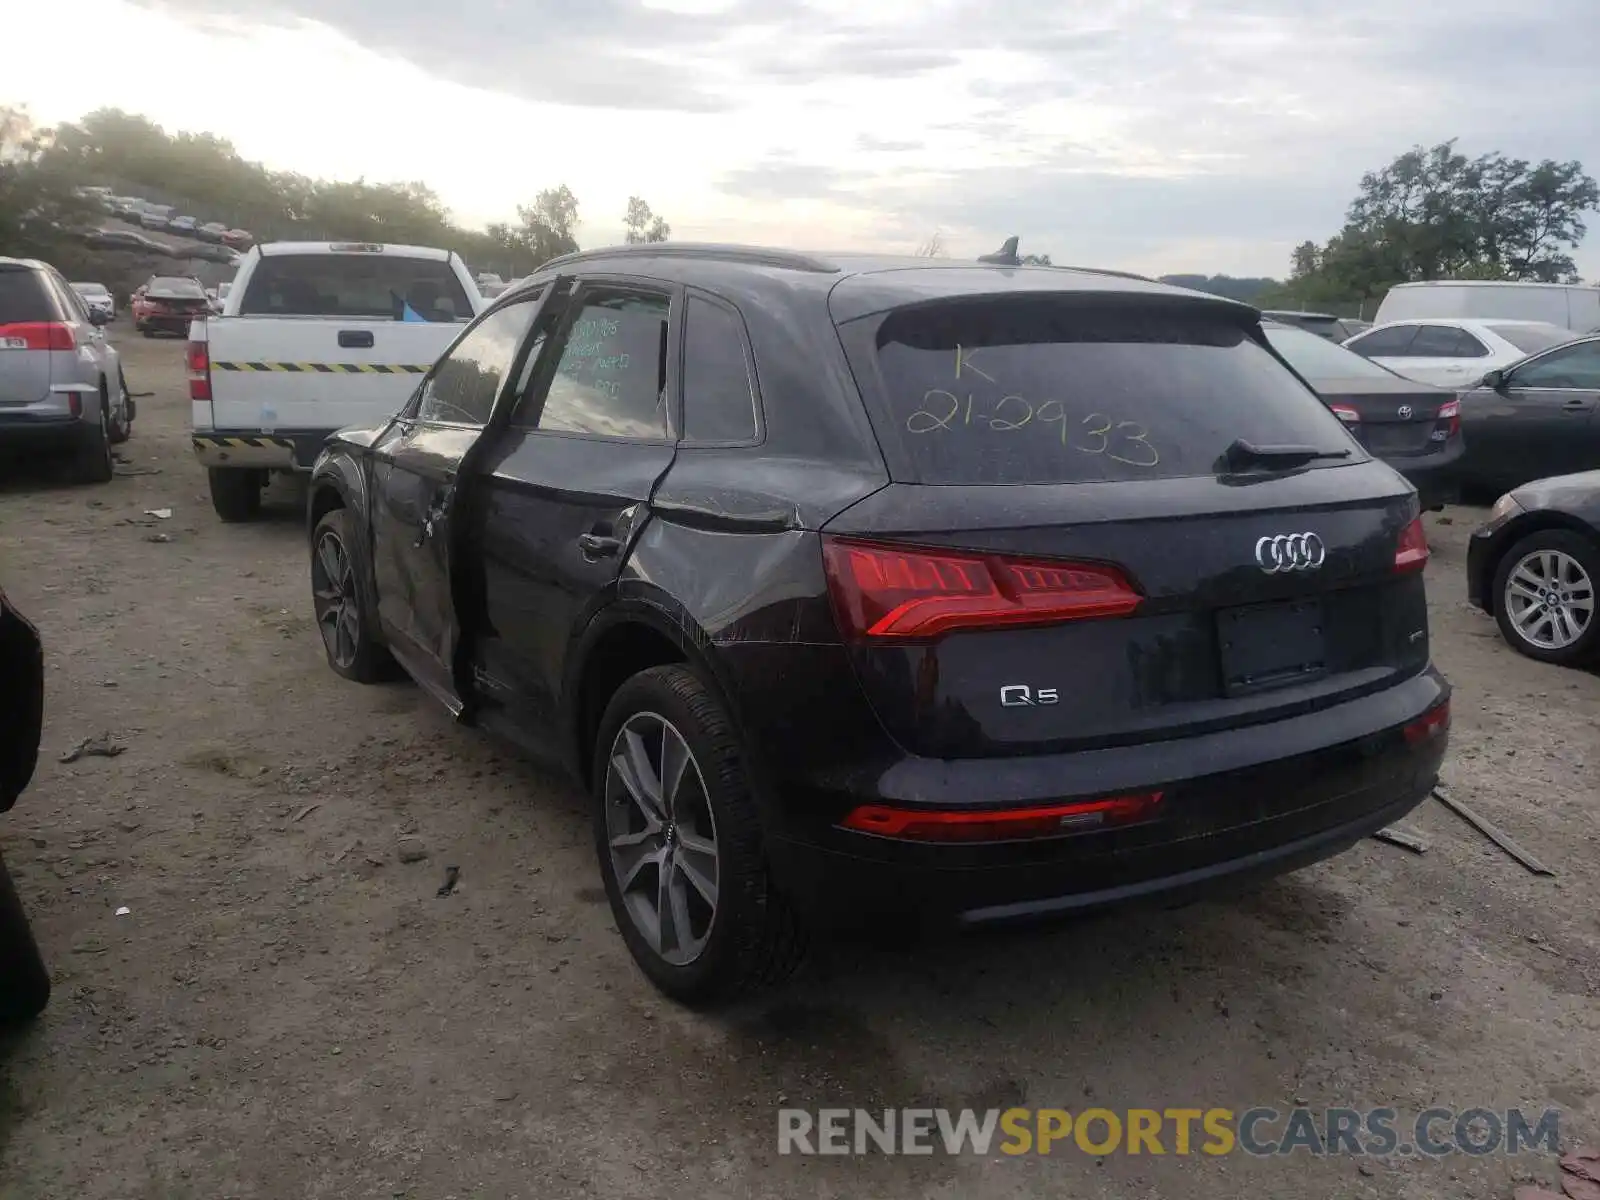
x: 314, y: 373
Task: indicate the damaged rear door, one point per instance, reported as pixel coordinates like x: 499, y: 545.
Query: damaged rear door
x: 566, y: 491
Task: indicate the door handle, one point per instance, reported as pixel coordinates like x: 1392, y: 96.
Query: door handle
x: 355, y: 339
x: 596, y: 545
x: 1576, y: 405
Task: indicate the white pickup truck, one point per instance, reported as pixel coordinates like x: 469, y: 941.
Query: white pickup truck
x: 314, y: 336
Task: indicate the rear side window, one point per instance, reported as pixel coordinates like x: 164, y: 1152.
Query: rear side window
x: 609, y: 376
x: 1061, y: 393
x: 24, y: 297
x: 718, y: 400
x: 369, y: 287
x: 1394, y: 342
x: 1444, y: 341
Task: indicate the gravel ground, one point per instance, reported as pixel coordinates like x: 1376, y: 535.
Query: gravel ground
x: 289, y: 1010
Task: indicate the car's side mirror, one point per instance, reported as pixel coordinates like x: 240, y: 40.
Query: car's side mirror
x: 99, y: 316
x: 1496, y: 379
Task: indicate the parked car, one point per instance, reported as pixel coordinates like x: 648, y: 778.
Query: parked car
x: 124, y: 239
x: 343, y: 330
x: 1325, y: 325
x: 664, y: 515
x: 238, y: 239
x: 61, y: 381
x: 1573, y: 306
x: 24, y: 980
x: 1536, y: 418
x: 211, y: 231
x: 167, y: 304
x: 216, y: 254
x: 1534, y: 566
x: 156, y: 216
x: 183, y: 225
x: 1452, y: 352
x: 97, y: 297
x: 1414, y: 427
x: 127, y: 207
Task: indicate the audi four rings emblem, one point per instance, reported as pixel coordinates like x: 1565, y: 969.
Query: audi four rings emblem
x: 1403, y: 412
x: 1290, y: 552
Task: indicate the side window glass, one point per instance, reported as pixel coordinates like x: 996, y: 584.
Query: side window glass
x: 1385, y: 343
x: 718, y: 400
x: 609, y: 378
x: 462, y: 386
x: 1575, y: 367
x: 1441, y: 341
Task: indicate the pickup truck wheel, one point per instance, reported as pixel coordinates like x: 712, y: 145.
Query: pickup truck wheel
x: 344, y: 617
x: 121, y: 428
x: 92, y: 463
x: 235, y: 493
x: 24, y: 981
x: 680, y: 845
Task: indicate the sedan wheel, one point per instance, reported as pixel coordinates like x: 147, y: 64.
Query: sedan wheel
x: 1545, y: 593
x: 662, y: 836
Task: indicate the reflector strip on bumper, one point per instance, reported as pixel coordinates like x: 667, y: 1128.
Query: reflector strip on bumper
x: 204, y: 441
x: 316, y: 368
x: 243, y: 450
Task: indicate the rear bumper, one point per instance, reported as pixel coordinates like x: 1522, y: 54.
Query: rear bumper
x: 1433, y: 476
x: 281, y: 450
x: 31, y: 432
x: 1237, y: 805
x: 169, y: 324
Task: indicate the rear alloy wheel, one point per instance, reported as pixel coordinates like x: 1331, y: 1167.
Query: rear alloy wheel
x: 235, y: 494
x: 92, y: 463
x: 680, y: 845
x: 341, y: 611
x: 1545, y: 596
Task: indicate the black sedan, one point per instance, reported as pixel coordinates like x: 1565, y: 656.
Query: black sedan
x: 891, y: 591
x: 24, y: 982
x: 1414, y: 427
x: 1534, y: 419
x: 1535, y: 564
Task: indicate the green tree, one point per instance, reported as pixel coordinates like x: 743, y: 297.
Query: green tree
x: 41, y: 213
x: 643, y: 225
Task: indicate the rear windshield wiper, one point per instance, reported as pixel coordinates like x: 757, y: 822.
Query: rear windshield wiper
x: 1243, y: 453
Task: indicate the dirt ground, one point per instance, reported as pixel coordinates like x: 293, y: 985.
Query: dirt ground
x: 287, y: 1010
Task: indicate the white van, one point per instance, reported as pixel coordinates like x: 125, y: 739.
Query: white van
x: 1567, y: 304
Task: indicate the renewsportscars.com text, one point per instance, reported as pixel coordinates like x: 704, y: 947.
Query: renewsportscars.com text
x: 1373, y: 1132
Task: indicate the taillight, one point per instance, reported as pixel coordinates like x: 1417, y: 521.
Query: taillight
x: 38, y: 335
x: 995, y: 825
x: 1449, y: 420
x: 1412, y: 552
x: 885, y: 591
x: 1428, y: 726
x: 199, y: 358
x: 1346, y: 414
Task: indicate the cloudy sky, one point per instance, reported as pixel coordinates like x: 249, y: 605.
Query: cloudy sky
x: 1154, y: 135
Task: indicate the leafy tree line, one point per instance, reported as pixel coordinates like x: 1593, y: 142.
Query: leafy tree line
x: 1434, y: 213
x: 204, y: 175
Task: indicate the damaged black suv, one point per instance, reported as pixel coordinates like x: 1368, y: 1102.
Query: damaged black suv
x: 896, y: 590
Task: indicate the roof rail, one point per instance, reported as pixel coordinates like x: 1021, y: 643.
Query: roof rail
x: 756, y: 256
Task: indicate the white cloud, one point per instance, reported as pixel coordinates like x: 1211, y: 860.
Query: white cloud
x: 1153, y: 134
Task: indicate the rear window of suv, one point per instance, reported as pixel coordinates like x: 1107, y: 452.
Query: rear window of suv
x: 23, y: 297
x: 1039, y: 392
x: 378, y: 287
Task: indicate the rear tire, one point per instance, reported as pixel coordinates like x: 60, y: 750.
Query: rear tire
x: 753, y: 936
x: 24, y: 980
x: 121, y: 428
x: 235, y: 493
x: 92, y: 462
x: 1558, y: 561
